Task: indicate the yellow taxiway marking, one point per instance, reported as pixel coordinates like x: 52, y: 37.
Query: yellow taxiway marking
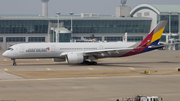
x: 37, y: 59
x: 41, y: 79
x: 137, y: 76
x: 165, y: 81
x: 131, y: 68
x: 48, y: 68
x: 90, y: 68
x: 5, y: 69
x: 96, y: 60
x: 91, y: 78
x: 5, y: 60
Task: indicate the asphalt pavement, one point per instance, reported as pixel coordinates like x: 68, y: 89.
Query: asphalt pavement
x: 44, y: 80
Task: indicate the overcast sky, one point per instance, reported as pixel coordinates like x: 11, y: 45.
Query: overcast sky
x: 103, y: 7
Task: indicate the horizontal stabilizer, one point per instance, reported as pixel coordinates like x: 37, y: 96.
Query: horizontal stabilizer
x: 158, y: 46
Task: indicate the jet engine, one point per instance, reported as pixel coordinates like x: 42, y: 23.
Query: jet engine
x: 74, y: 58
x: 58, y: 59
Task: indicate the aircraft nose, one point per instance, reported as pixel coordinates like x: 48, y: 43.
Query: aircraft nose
x: 5, y: 54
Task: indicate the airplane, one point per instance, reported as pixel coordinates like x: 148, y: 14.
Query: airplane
x: 125, y: 37
x: 76, y: 53
x: 93, y: 40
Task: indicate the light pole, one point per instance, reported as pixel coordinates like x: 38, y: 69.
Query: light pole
x: 169, y: 22
x: 57, y: 32
x: 71, y: 24
x: 179, y: 26
x: 53, y: 35
x: 170, y: 39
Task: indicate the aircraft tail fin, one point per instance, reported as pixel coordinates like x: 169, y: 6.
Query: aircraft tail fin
x: 151, y: 41
x: 154, y: 36
x: 93, y: 40
x: 125, y: 37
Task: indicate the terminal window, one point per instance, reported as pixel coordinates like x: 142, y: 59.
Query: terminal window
x: 77, y: 38
x: 108, y: 26
x: 113, y: 39
x: 134, y: 38
x: 163, y: 38
x: 1, y: 39
x: 23, y: 26
x: 15, y: 39
x: 36, y: 39
x: 174, y: 23
x: 146, y: 13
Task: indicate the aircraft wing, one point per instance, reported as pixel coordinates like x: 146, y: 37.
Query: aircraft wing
x: 99, y: 52
x: 108, y: 51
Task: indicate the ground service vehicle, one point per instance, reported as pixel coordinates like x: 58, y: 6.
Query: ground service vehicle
x: 143, y: 98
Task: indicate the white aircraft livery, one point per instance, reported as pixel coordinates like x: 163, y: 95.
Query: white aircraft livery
x: 81, y: 52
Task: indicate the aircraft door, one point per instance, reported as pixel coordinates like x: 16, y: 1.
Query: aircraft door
x: 101, y: 47
x: 21, y: 49
x: 53, y: 49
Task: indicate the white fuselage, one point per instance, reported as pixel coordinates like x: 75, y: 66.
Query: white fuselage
x: 54, y: 50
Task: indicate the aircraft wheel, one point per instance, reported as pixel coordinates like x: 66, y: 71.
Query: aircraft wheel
x: 86, y: 62
x: 14, y: 64
x: 89, y: 63
x: 94, y: 63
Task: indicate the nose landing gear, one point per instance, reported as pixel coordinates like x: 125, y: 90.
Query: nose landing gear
x: 14, y: 62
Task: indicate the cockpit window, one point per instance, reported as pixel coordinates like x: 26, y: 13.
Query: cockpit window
x: 10, y: 49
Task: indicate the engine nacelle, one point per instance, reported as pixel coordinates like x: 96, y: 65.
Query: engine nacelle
x: 58, y: 59
x: 74, y: 58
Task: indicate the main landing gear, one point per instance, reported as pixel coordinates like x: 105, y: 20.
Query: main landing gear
x: 89, y: 63
x: 14, y: 62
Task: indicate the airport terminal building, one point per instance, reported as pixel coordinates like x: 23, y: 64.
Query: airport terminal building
x: 170, y: 13
x: 136, y: 22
